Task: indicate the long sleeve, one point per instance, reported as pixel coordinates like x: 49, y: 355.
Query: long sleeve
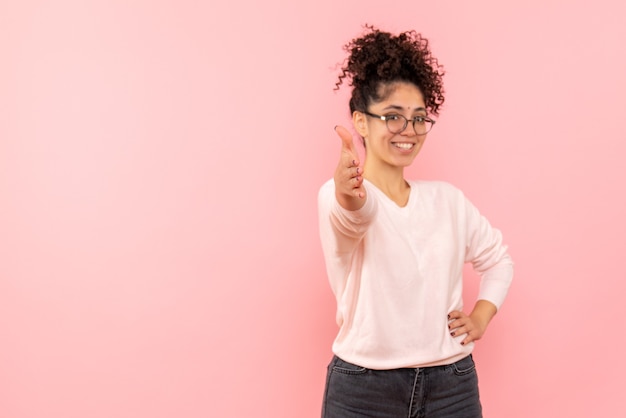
x: 341, y: 231
x: 488, y: 256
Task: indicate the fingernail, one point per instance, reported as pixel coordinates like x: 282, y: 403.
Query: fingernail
x: 353, y: 162
x: 335, y: 128
x: 452, y: 333
x: 357, y: 170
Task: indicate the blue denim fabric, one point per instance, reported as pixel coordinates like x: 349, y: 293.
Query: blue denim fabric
x: 449, y: 391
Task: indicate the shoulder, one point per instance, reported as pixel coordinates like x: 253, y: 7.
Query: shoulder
x: 328, y: 188
x: 328, y: 185
x: 326, y: 195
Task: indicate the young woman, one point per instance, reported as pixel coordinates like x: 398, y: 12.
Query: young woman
x: 395, y: 249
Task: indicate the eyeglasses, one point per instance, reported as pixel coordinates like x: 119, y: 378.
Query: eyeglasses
x: 398, y: 123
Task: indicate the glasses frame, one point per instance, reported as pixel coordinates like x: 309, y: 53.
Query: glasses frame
x: 406, y: 121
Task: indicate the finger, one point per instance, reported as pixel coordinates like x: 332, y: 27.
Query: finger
x: 456, y: 319
x: 460, y: 331
x: 457, y: 323
x: 455, y: 314
x: 468, y: 339
x: 352, y: 177
x: 358, y: 190
x: 352, y: 173
x: 349, y: 155
x: 346, y: 138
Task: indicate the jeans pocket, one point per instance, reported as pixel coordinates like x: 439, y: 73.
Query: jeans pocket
x: 464, y: 366
x: 343, y: 367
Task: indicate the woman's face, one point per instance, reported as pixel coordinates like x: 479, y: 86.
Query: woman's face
x: 384, y: 148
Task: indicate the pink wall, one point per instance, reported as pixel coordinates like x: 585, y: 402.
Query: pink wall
x: 159, y: 164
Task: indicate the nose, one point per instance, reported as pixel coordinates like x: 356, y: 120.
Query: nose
x: 409, y: 129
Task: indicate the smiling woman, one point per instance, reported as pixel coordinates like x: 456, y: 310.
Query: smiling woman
x: 395, y: 249
x: 393, y: 144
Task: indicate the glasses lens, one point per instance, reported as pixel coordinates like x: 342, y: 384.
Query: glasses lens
x: 422, y: 125
x: 396, y: 123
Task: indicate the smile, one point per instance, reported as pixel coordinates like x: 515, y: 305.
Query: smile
x: 403, y: 145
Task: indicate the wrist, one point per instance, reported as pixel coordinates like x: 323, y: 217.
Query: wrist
x: 483, y: 313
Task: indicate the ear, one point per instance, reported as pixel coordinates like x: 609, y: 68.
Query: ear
x: 360, y: 123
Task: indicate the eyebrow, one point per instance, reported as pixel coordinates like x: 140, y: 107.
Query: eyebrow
x: 400, y: 108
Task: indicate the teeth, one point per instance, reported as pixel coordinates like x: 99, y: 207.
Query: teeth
x: 403, y: 145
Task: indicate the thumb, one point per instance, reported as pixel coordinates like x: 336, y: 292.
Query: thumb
x: 346, y: 138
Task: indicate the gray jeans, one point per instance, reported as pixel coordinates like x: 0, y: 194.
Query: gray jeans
x: 449, y: 391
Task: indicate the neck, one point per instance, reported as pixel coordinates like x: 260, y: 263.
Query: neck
x: 390, y: 181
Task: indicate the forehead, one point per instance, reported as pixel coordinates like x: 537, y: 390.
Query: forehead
x: 400, y: 94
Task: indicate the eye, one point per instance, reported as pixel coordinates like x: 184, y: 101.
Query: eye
x: 392, y: 117
x: 419, y: 119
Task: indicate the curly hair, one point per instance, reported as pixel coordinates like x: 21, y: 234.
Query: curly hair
x: 378, y: 59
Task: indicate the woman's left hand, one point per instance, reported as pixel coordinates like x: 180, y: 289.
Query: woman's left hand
x: 473, y: 325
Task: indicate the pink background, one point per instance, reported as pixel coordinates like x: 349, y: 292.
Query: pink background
x: 159, y: 165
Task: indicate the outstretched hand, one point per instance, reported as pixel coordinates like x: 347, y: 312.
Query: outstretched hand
x: 349, y: 188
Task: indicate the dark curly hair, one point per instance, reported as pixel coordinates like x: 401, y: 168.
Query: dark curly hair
x: 378, y: 59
